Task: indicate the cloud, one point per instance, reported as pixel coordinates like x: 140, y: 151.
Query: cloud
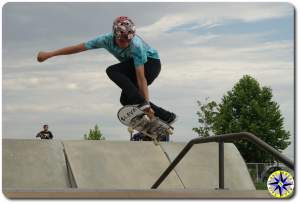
x: 209, y: 16
x: 72, y: 86
x: 60, y: 108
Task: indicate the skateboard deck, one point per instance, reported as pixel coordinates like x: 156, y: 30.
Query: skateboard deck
x: 136, y: 119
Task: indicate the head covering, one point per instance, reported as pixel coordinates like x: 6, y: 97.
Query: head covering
x: 123, y: 28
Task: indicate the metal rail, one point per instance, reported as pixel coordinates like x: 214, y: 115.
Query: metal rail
x: 221, y: 139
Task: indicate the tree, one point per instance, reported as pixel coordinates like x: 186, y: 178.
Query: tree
x: 207, y: 114
x: 249, y: 107
x: 94, y: 134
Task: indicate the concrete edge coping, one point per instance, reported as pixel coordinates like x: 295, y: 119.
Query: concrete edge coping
x: 134, y: 194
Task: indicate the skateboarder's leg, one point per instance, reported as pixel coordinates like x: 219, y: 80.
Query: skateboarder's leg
x: 159, y: 112
x: 124, y: 100
x: 152, y: 70
x: 123, y: 74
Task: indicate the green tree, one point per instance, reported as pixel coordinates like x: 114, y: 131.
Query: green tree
x: 249, y: 107
x: 208, y: 112
x: 94, y: 134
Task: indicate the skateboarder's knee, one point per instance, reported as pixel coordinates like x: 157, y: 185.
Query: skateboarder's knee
x: 109, y: 71
x: 123, y: 100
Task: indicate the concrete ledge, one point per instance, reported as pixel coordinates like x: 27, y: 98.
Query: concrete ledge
x: 117, y: 165
x: 28, y: 163
x: 199, y: 169
x: 119, y: 169
x: 134, y: 194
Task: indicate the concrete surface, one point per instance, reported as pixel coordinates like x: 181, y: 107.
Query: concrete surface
x: 137, y: 194
x: 33, y: 164
x: 199, y: 168
x: 118, y: 165
x: 121, y: 169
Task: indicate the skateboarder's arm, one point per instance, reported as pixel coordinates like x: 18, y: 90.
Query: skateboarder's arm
x: 42, y: 56
x: 142, y: 82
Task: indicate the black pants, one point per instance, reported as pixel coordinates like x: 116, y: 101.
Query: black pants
x: 124, y: 75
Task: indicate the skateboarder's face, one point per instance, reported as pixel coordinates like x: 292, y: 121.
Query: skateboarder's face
x: 122, y: 43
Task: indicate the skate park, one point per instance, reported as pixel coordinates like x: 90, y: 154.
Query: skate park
x: 202, y: 168
x: 205, y: 50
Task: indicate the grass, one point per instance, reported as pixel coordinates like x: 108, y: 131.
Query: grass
x: 261, y: 185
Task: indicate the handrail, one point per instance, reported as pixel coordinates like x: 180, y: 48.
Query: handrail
x: 221, y: 139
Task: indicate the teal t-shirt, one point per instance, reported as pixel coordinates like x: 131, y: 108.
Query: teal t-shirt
x: 137, y: 49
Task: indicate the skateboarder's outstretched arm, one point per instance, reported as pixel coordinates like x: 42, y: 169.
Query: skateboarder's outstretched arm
x: 42, y: 56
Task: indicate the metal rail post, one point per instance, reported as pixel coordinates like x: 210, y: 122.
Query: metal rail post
x: 221, y: 165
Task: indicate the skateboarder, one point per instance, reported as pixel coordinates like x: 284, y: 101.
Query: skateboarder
x: 138, y: 68
x: 45, y: 134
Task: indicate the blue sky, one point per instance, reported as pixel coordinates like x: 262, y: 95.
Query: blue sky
x: 205, y: 48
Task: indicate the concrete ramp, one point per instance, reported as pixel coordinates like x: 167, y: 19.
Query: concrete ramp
x: 118, y: 165
x: 199, y: 168
x: 38, y: 164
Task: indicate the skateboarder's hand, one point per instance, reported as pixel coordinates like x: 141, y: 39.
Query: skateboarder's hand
x: 42, y: 56
x: 150, y: 112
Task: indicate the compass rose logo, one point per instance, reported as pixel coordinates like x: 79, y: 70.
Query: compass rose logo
x: 280, y: 184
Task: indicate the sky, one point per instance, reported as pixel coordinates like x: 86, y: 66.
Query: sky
x: 205, y: 48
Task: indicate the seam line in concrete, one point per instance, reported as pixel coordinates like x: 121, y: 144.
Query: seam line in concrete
x: 71, y: 177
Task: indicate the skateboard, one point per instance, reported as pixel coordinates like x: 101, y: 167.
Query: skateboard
x: 136, y: 119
